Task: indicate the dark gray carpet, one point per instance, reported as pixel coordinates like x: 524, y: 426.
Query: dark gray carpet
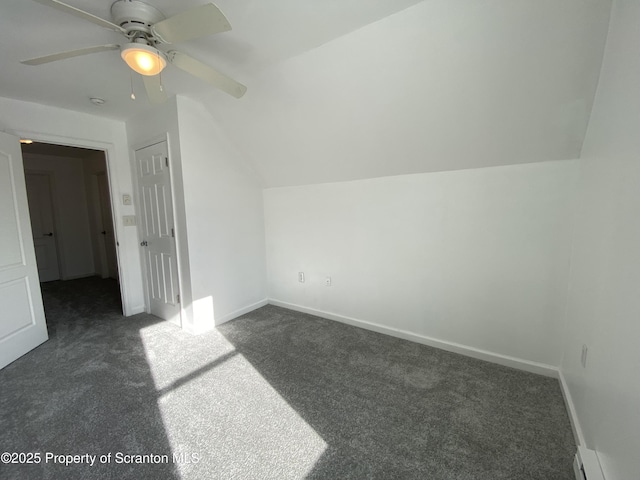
x: 275, y: 394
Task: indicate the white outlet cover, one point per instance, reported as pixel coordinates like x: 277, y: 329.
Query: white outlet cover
x: 126, y: 199
x: 129, y: 220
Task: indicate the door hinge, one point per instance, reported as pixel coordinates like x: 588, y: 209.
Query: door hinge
x: 166, y: 161
x: 178, y: 298
x: 173, y: 232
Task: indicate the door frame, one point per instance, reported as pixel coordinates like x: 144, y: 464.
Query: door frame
x: 179, y: 260
x: 109, y: 151
x: 54, y: 212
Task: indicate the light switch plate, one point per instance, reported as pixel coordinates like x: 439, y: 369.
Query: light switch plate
x: 129, y: 220
x: 126, y: 199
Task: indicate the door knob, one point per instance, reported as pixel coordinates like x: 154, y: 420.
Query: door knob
x: 50, y: 234
x: 103, y: 232
x: 143, y: 243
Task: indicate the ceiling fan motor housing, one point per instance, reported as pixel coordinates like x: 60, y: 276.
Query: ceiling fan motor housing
x: 135, y: 16
x: 148, y: 33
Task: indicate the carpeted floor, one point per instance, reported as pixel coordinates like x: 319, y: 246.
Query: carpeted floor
x: 274, y: 394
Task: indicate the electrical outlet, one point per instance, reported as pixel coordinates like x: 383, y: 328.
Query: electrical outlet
x: 126, y: 199
x: 327, y: 281
x: 583, y: 358
x: 301, y: 277
x: 129, y: 220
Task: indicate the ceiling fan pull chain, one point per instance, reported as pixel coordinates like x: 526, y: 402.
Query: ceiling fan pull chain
x: 160, y: 73
x: 146, y: 29
x: 133, y: 95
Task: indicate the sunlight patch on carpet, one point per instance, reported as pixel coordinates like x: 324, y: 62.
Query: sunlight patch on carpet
x: 218, y: 410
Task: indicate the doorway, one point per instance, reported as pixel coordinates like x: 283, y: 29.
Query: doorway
x: 71, y: 216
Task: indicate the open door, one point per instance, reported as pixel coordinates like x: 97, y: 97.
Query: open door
x: 22, y: 321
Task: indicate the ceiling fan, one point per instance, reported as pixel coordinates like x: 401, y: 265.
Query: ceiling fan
x: 149, y: 37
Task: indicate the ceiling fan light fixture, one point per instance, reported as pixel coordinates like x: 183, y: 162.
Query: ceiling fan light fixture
x: 143, y: 59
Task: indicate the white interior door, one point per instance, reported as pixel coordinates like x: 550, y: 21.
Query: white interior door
x: 42, y: 225
x: 22, y: 321
x: 157, y: 231
x: 107, y: 225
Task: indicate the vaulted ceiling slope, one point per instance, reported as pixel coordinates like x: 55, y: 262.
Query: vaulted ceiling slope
x: 351, y: 89
x: 442, y: 85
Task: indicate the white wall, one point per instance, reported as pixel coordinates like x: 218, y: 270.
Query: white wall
x: 161, y: 123
x: 472, y: 257
x: 56, y: 125
x: 439, y: 86
x: 604, y: 292
x: 219, y: 214
x: 75, y: 242
x: 225, y: 220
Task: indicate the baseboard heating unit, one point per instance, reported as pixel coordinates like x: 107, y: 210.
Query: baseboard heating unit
x: 586, y: 465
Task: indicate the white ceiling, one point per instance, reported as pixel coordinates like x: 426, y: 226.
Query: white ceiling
x: 264, y: 33
x: 349, y: 89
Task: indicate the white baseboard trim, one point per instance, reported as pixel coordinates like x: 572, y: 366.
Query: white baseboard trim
x: 571, y: 410
x: 513, y: 362
x: 77, y: 277
x: 240, y: 312
x: 134, y: 310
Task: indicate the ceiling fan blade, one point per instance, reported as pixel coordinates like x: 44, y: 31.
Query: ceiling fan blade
x: 152, y: 85
x: 194, y: 23
x: 206, y: 73
x: 69, y: 54
x: 82, y: 14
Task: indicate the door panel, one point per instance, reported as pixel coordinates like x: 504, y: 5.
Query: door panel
x: 42, y: 225
x: 154, y: 187
x: 22, y: 321
x: 17, y: 308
